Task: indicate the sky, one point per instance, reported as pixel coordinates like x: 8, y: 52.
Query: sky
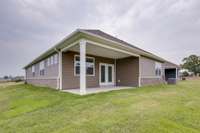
x: 167, y: 28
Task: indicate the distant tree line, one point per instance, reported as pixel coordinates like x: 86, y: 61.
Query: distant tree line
x: 192, y: 63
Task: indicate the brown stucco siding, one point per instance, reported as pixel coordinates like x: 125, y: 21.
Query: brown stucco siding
x: 127, y: 71
x: 70, y: 80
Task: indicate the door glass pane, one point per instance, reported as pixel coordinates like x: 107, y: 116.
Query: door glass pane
x: 109, y: 74
x: 103, y: 74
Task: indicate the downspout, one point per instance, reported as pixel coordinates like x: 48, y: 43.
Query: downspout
x: 139, y: 76
x: 115, y: 68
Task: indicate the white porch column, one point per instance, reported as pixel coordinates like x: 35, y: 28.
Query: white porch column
x: 60, y: 70
x: 176, y: 73
x: 139, y: 77
x: 82, y: 66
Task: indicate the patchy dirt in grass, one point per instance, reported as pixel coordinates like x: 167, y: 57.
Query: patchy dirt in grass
x: 4, y: 85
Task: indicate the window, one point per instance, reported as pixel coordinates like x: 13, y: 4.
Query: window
x: 55, y: 58
x: 158, y: 69
x: 33, y: 70
x: 89, y: 65
x: 42, y: 68
x: 51, y: 58
x: 47, y: 61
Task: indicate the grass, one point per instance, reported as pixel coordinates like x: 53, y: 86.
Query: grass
x: 154, y: 109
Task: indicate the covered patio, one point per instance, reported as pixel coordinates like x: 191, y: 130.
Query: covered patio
x: 113, y: 69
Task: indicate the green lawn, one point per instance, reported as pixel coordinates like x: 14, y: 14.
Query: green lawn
x: 155, y: 109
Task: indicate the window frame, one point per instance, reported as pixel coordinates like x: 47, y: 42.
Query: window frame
x: 55, y: 59
x: 33, y: 70
x: 42, y: 70
x: 158, y: 69
x: 52, y: 60
x: 47, y: 62
x: 89, y: 75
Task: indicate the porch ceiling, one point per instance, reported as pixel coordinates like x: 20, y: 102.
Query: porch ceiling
x: 100, y: 51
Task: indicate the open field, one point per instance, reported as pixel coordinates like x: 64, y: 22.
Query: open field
x: 153, y: 109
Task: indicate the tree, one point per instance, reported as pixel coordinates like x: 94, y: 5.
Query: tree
x: 192, y: 63
x: 185, y: 74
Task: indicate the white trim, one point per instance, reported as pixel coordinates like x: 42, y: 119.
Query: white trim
x: 60, y: 71
x: 106, y: 74
x: 82, y: 44
x: 115, y: 70
x: 111, y: 48
x: 139, y: 77
x: 33, y: 68
x: 70, y: 45
x: 86, y: 62
x: 97, y: 36
x: 158, y: 66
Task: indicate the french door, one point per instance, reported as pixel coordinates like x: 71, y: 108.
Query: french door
x: 106, y: 74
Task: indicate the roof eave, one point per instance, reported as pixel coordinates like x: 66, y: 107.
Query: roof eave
x: 58, y: 45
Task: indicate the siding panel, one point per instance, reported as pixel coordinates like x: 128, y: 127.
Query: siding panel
x: 127, y: 71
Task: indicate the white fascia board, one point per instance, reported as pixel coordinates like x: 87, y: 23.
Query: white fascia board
x: 70, y: 45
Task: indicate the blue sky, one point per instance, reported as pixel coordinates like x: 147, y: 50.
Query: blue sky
x: 169, y: 28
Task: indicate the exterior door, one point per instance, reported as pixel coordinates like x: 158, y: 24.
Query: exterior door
x: 106, y: 74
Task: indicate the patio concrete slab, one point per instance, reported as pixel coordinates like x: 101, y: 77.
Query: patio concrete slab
x: 98, y: 89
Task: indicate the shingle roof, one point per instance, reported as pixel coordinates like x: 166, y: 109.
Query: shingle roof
x: 97, y: 33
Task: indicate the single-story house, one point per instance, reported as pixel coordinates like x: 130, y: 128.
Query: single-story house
x: 90, y: 58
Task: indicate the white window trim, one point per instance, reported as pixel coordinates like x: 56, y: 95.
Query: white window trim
x: 113, y: 74
x: 42, y: 63
x: 41, y: 69
x: 52, y: 60
x: 55, y: 59
x: 158, y: 65
x: 86, y: 70
x: 33, y: 68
